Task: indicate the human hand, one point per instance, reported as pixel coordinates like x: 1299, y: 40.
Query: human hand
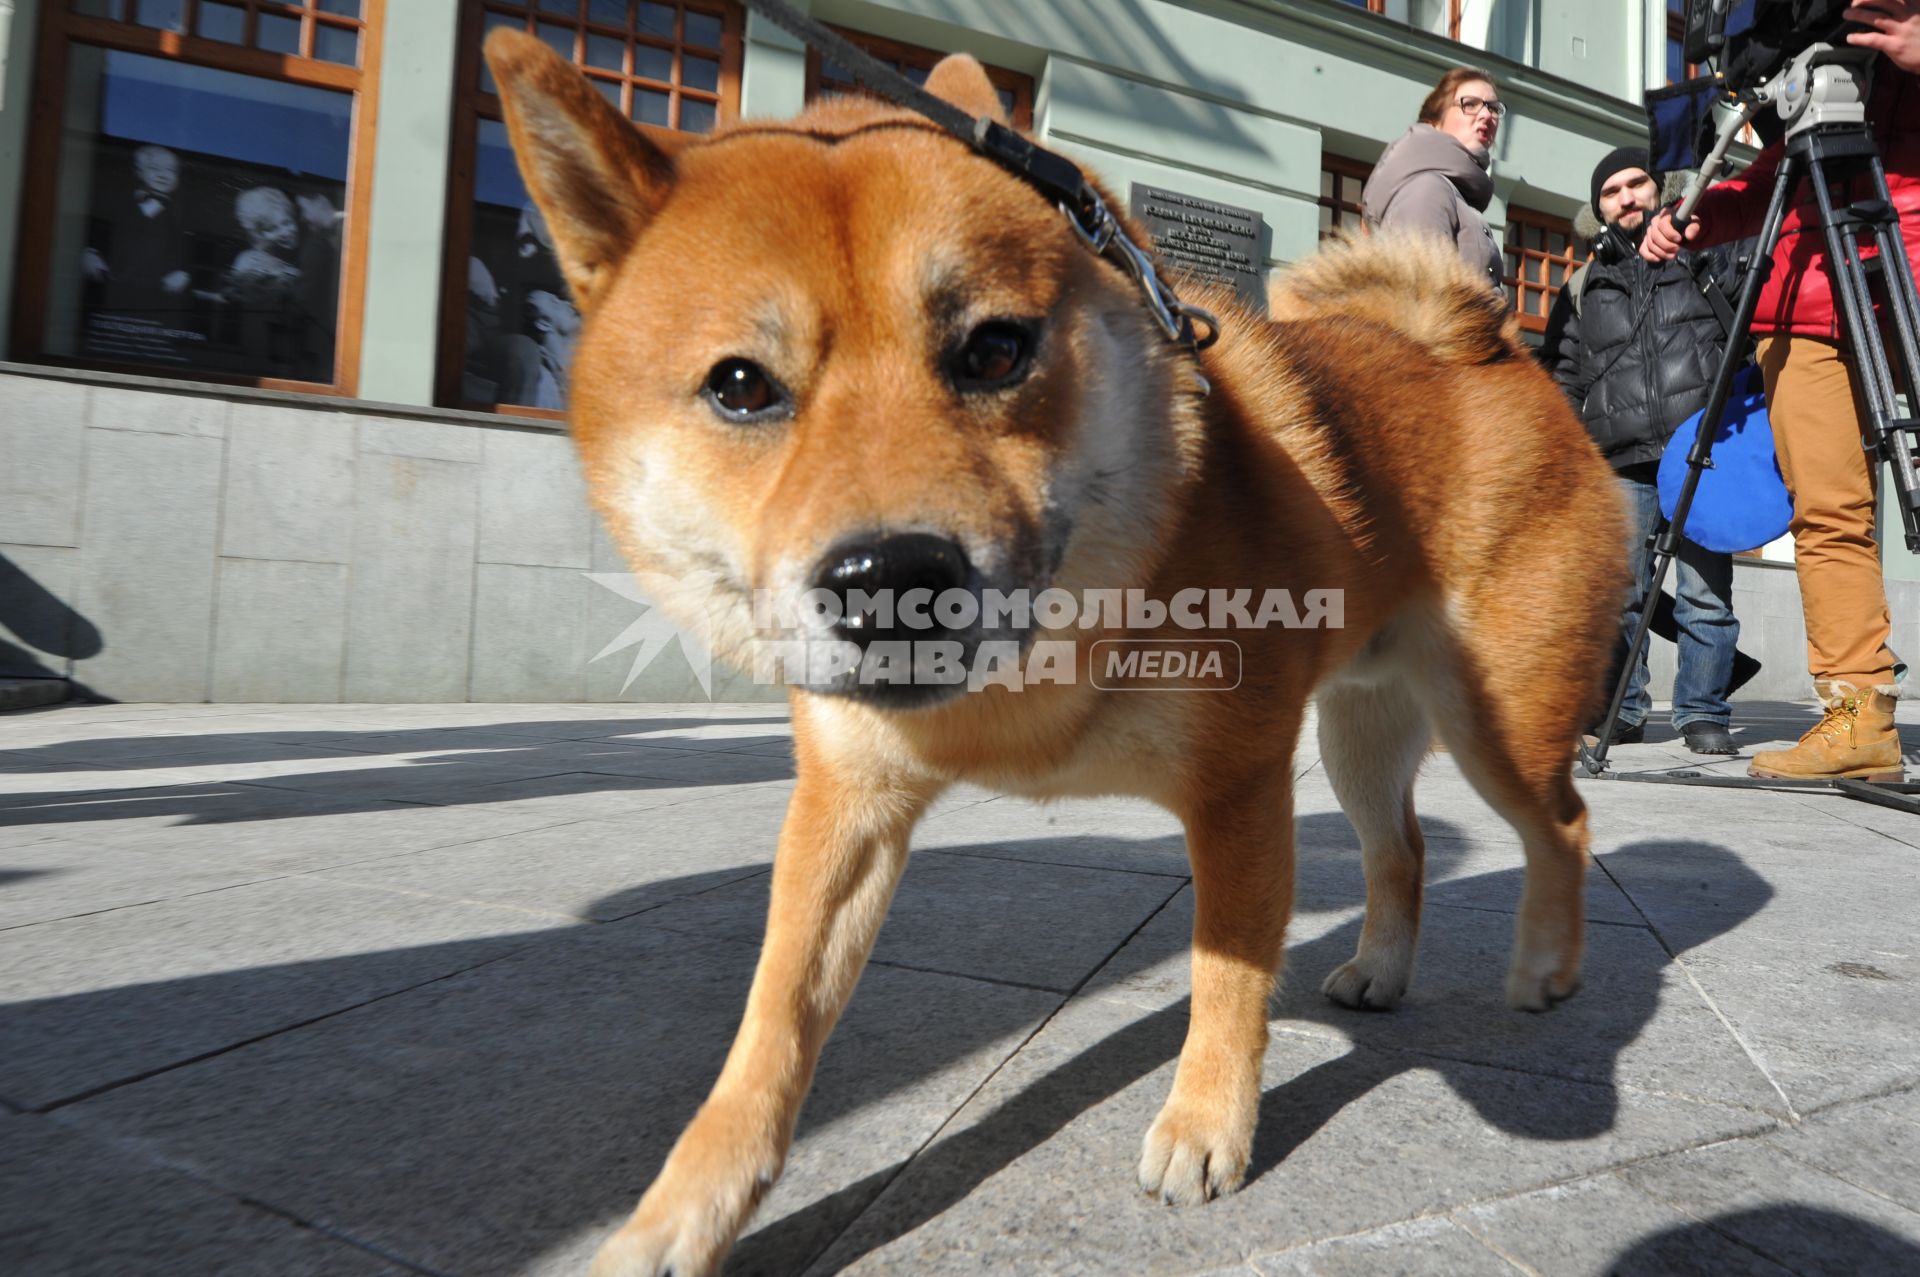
x: 1894, y: 29
x: 94, y: 266
x: 176, y: 281
x: 1663, y: 240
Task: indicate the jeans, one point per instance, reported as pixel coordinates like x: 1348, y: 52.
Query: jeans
x: 1702, y: 611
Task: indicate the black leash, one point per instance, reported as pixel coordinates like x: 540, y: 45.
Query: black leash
x: 1058, y: 179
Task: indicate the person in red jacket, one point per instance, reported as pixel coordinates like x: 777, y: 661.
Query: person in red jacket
x: 1812, y: 393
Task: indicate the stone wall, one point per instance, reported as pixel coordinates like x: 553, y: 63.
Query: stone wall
x: 189, y: 544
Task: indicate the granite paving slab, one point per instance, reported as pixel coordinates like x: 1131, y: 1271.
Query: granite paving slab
x: 1398, y: 1250
x: 1794, y: 1214
x: 1637, y: 1024
x: 52, y: 878
x: 1042, y: 1161
x: 1603, y: 1227
x: 1040, y: 925
x: 598, y: 870
x: 503, y: 1121
x: 586, y: 795
x: 1873, y: 1145
x: 1823, y: 988
x: 54, y: 784
x: 704, y: 766
x: 281, y: 830
x: 454, y: 1028
x: 93, y: 1001
x: 79, y: 1206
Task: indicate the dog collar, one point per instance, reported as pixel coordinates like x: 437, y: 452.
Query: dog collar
x: 1058, y: 179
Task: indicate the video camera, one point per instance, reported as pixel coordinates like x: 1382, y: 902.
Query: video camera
x: 1755, y: 47
x: 1751, y: 40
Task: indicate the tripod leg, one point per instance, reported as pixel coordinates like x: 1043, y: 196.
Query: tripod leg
x: 1886, y: 433
x: 1902, y: 443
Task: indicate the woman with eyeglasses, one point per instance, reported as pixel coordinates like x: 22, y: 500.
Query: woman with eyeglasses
x: 1433, y: 180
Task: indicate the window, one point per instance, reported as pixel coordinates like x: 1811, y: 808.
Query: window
x: 1542, y: 252
x: 914, y: 62
x: 507, y: 324
x: 1341, y: 181
x: 1442, y: 17
x: 1678, y: 68
x: 206, y: 211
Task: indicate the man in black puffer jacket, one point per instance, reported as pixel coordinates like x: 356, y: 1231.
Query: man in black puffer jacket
x: 1635, y: 347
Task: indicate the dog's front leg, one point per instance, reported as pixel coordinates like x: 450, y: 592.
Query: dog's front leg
x: 1241, y: 846
x: 841, y: 852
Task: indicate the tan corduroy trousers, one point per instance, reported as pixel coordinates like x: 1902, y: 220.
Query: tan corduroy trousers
x: 1816, y: 412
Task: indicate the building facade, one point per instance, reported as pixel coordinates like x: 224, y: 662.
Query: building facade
x: 286, y: 350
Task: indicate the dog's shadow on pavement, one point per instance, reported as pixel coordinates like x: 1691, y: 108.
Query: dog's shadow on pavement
x: 493, y: 1121
x: 1476, y: 1049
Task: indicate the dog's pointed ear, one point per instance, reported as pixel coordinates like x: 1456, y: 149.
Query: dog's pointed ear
x: 596, y: 178
x: 958, y: 79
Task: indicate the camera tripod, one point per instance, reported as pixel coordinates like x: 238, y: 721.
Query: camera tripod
x: 1828, y: 141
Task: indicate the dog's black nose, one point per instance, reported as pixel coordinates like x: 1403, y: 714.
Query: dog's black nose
x: 874, y: 578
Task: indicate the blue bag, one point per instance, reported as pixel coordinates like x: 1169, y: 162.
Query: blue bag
x: 1742, y: 501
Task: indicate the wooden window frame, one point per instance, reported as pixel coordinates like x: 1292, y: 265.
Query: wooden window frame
x: 1343, y: 168
x: 1453, y: 14
x: 471, y: 104
x: 61, y: 28
x: 923, y: 59
x: 1517, y: 255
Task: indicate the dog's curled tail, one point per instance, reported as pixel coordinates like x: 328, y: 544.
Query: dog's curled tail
x: 1414, y: 284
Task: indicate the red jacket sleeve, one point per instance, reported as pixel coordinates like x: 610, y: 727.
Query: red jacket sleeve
x: 1736, y: 208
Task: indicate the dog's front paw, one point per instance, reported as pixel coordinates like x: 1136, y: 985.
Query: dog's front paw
x: 1368, y: 984
x: 1542, y: 974
x: 689, y: 1219
x: 640, y: 1251
x: 675, y: 1234
x: 1539, y: 991
x: 1192, y: 1156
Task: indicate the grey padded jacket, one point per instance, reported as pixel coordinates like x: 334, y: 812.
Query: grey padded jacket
x: 1427, y: 183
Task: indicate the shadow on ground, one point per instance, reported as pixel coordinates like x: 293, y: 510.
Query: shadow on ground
x: 1767, y: 1236
x: 522, y: 1098
x: 458, y: 766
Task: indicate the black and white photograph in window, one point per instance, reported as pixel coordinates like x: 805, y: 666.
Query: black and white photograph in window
x: 199, y: 219
x: 521, y: 321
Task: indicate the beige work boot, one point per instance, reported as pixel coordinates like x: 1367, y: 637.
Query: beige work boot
x: 1855, y: 740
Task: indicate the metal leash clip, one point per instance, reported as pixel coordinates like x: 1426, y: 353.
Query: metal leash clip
x: 1056, y: 177
x: 1097, y: 228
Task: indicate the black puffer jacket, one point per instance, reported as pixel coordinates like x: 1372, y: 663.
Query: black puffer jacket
x: 1639, y: 356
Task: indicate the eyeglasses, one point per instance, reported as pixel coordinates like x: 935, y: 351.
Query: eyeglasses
x: 1473, y: 107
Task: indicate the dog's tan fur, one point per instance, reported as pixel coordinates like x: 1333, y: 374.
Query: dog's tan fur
x: 1385, y: 434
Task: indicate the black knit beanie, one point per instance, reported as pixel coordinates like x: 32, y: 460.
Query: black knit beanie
x: 1621, y: 157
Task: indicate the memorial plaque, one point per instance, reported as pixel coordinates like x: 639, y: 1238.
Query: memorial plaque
x: 1215, y: 242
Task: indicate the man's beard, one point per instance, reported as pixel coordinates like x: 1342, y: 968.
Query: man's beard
x: 1631, y: 238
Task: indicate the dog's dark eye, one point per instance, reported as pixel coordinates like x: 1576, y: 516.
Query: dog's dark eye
x: 994, y: 355
x: 742, y: 391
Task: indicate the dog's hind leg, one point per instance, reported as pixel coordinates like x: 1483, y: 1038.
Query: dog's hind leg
x: 1511, y: 730
x: 1240, y: 841
x: 1373, y: 737
x: 841, y: 852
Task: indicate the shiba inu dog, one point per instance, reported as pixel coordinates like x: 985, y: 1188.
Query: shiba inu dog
x: 849, y: 354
